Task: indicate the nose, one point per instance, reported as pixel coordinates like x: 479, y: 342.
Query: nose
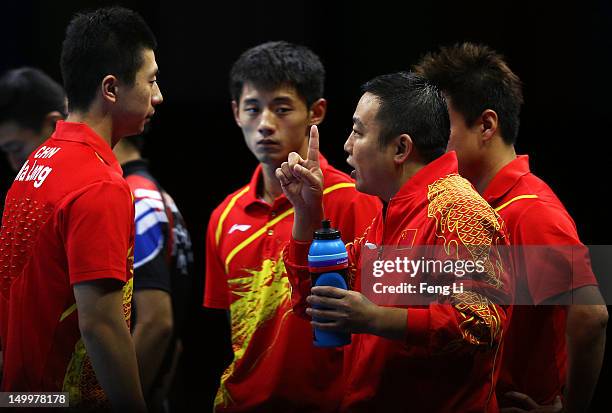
x: 348, y: 145
x: 157, y: 97
x: 16, y: 160
x: 266, y: 125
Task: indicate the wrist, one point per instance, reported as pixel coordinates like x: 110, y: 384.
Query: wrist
x: 305, y: 223
x: 376, y: 320
x: 388, y: 322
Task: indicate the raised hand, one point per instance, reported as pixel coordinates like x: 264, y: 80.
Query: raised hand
x: 302, y: 183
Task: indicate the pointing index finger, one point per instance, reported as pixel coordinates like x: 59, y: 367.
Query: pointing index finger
x: 313, y: 144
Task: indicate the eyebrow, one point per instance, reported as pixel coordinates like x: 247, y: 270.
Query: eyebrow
x: 359, y: 123
x: 282, y: 99
x: 251, y: 101
x: 276, y: 100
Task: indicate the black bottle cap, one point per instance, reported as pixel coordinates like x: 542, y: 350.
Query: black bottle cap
x: 327, y: 232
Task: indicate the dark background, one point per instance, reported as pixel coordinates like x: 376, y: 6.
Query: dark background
x: 562, y: 53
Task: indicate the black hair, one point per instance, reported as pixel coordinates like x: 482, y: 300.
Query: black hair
x: 27, y: 95
x: 274, y: 64
x: 475, y: 78
x: 106, y: 41
x: 410, y: 104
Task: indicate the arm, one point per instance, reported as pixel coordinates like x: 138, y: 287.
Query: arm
x: 97, y: 225
x: 108, y: 342
x: 568, y: 280
x: 164, y: 386
x: 153, y: 325
x: 152, y: 332
x: 586, y: 341
x: 460, y: 323
x: 437, y: 327
x: 216, y: 302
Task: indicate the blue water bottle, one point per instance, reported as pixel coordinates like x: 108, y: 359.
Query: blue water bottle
x: 328, y: 263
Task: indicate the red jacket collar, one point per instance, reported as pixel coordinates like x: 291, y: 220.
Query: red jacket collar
x: 82, y: 133
x: 438, y: 168
x: 506, y: 178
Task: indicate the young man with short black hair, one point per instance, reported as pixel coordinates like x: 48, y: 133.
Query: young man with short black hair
x: 68, y: 225
x: 31, y: 103
x: 277, y: 94
x: 549, y: 351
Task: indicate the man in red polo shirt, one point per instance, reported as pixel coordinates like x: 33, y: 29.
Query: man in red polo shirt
x: 68, y: 225
x: 277, y: 92
x: 484, y: 99
x: 436, y: 358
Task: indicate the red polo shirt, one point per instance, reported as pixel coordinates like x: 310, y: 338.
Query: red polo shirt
x: 448, y: 361
x: 68, y: 218
x: 275, y: 367
x: 535, y: 356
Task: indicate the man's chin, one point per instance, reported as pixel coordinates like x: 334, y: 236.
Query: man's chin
x: 271, y: 159
x: 361, y: 187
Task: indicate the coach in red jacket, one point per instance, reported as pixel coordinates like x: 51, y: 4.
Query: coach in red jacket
x: 435, y: 358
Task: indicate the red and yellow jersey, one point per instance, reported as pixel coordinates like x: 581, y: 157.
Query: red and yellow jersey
x: 275, y: 367
x: 535, y: 356
x: 68, y: 218
x: 448, y: 362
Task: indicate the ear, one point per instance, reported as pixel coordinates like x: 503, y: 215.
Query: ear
x: 109, y: 88
x: 52, y: 117
x: 403, y: 148
x: 489, y: 124
x: 48, y: 125
x: 317, y: 111
x: 235, y: 112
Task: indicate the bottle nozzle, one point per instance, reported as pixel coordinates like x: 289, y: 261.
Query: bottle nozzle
x: 326, y: 232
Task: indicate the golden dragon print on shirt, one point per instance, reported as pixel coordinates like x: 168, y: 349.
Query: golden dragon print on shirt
x: 261, y: 293
x: 460, y: 211
x: 80, y: 379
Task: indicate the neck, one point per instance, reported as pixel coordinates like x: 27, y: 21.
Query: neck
x: 497, y: 157
x: 98, y: 121
x: 270, y: 187
x: 126, y: 153
x: 406, y: 171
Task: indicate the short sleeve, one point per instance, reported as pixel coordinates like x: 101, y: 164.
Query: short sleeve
x: 153, y: 275
x: 97, y: 227
x: 216, y: 290
x: 553, y: 260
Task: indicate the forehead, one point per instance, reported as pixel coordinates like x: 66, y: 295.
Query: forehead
x: 149, y: 65
x: 367, y: 109
x: 455, y: 116
x: 281, y: 93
